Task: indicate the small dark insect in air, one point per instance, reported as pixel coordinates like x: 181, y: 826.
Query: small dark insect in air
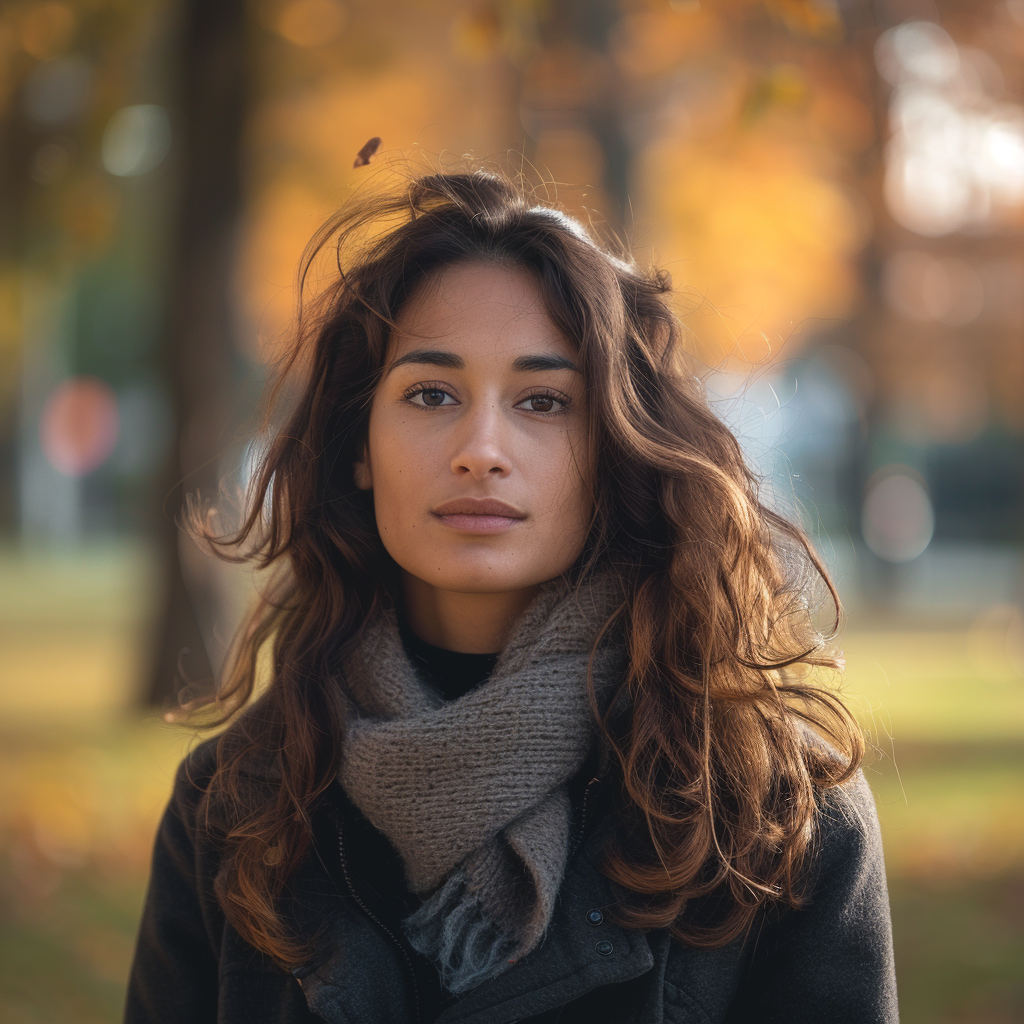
x: 365, y: 155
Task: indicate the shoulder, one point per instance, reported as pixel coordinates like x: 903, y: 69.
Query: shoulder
x: 191, y: 785
x: 845, y: 863
x: 846, y: 835
x: 847, y: 818
x: 197, y: 766
x: 245, y: 746
x: 834, y: 951
x: 254, y: 773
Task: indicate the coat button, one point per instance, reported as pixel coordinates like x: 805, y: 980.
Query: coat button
x: 604, y: 947
x: 595, y: 917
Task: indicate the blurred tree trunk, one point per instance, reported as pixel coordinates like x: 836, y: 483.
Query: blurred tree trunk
x: 573, y: 88
x: 197, y: 344
x: 588, y: 24
x: 16, y: 143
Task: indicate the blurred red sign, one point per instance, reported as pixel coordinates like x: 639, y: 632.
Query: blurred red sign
x: 79, y: 425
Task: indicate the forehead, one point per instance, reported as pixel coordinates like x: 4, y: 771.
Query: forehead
x: 481, y: 309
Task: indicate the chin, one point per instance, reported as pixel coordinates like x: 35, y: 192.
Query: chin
x: 477, y: 579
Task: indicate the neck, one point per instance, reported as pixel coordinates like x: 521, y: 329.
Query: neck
x: 467, y: 623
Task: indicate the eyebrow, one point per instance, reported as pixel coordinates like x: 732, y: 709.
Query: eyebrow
x: 431, y: 357
x: 451, y: 361
x: 545, y: 362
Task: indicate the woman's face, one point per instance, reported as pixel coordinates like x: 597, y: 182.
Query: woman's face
x: 477, y: 447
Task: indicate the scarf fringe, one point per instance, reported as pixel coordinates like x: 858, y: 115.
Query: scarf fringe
x: 451, y: 929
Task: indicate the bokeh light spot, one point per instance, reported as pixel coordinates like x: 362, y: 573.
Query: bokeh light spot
x: 919, y: 50
x: 897, y: 520
x: 58, y: 91
x: 311, y: 22
x: 46, y: 29
x: 79, y: 425
x: 136, y: 140
x: 956, y: 155
x: 924, y: 287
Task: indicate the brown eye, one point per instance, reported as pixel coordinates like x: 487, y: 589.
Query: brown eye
x: 543, y: 404
x: 433, y: 398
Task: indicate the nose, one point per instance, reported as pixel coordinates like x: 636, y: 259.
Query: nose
x: 481, y: 445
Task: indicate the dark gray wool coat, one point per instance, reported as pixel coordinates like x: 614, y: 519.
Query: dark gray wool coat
x: 829, y: 962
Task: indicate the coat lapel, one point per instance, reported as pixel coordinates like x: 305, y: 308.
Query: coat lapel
x: 339, y: 935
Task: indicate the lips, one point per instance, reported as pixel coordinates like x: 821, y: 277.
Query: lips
x: 478, y: 507
x: 479, y: 515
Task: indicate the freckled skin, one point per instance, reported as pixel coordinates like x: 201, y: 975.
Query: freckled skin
x: 484, y: 429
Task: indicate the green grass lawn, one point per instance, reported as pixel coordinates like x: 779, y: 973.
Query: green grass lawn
x: 82, y: 784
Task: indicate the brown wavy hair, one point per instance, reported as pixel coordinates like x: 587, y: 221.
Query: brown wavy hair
x: 718, y: 774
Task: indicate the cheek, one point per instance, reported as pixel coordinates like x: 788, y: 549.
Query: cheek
x: 564, y: 474
x: 401, y: 463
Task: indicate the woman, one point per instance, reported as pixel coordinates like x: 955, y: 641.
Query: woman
x: 541, y: 739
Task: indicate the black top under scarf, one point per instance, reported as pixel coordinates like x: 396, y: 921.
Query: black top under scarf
x: 451, y: 673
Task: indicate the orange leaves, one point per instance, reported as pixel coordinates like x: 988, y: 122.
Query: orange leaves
x: 816, y: 18
x: 758, y: 232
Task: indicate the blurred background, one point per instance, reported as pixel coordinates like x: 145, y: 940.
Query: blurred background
x: 837, y: 188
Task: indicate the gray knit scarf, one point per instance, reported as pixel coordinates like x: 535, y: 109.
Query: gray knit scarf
x: 472, y: 792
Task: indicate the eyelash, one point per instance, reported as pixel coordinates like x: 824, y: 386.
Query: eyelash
x: 562, y: 400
